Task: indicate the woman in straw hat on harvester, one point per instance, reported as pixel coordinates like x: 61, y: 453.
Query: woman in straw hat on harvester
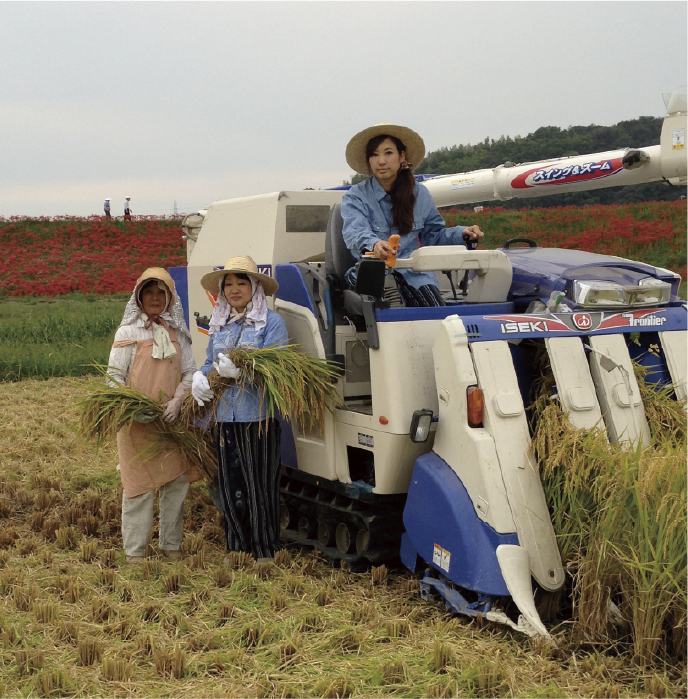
x: 152, y: 353
x: 391, y: 202
x: 248, y: 444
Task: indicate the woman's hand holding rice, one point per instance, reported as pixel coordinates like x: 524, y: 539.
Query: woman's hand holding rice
x: 225, y: 367
x: 200, y: 389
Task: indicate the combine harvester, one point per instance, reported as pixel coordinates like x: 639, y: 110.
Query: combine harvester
x: 429, y: 458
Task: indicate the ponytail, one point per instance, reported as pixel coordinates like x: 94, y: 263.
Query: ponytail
x: 403, y: 201
x: 401, y: 194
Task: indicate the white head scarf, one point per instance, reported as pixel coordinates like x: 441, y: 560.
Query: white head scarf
x: 174, y: 317
x: 256, y: 311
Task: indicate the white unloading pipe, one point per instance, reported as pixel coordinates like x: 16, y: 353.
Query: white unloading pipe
x: 572, y: 174
x: 577, y: 173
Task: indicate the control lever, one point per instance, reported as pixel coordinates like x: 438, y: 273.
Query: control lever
x: 463, y: 284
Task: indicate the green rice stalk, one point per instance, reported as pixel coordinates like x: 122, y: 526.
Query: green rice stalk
x: 290, y: 383
x: 112, y: 407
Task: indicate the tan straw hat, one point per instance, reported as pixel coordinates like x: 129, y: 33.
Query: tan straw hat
x: 240, y: 264
x: 162, y: 275
x: 355, y: 150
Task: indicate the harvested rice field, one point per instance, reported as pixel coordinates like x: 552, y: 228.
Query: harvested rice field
x: 75, y: 620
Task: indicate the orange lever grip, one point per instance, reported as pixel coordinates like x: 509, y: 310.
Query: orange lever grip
x: 394, y: 244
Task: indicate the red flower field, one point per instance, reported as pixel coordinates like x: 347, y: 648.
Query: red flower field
x: 53, y: 257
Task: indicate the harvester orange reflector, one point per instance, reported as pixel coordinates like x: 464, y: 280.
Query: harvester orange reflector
x: 475, y: 406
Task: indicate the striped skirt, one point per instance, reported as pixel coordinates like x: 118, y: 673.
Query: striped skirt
x: 248, y: 474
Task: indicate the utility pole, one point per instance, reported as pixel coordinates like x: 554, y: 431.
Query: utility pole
x: 175, y: 207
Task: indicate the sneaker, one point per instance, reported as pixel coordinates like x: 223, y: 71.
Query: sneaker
x: 134, y: 559
x: 174, y: 555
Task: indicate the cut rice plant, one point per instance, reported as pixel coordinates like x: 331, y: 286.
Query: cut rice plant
x: 290, y: 383
x: 619, y: 514
x: 111, y: 407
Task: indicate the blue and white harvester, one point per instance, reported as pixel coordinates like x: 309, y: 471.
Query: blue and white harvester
x: 429, y: 456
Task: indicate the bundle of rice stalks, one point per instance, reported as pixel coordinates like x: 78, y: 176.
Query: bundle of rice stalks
x: 619, y: 514
x: 109, y: 408
x: 288, y: 382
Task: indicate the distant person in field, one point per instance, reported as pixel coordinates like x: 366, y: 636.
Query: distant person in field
x: 152, y: 353
x: 391, y: 202
x: 106, y: 208
x: 127, y: 207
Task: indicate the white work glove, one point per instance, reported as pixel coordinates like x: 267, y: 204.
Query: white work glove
x: 225, y: 367
x: 200, y: 389
x: 174, y: 406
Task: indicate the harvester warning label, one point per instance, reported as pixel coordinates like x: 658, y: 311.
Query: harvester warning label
x: 678, y: 140
x: 463, y: 183
x: 441, y: 557
x: 365, y: 440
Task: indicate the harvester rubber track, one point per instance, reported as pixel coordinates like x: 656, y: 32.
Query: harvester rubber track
x: 343, y: 521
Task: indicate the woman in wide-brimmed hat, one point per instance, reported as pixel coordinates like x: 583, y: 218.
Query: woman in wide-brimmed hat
x: 152, y: 353
x: 248, y: 444
x: 390, y: 202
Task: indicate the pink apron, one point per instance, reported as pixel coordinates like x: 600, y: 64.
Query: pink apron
x: 153, y: 377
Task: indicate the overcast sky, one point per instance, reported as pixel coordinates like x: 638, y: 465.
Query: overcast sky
x: 195, y: 102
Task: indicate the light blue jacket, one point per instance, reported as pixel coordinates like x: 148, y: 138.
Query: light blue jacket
x: 237, y: 405
x: 367, y: 214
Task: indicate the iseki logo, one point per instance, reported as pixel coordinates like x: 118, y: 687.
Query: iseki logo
x: 582, y: 321
x: 525, y: 327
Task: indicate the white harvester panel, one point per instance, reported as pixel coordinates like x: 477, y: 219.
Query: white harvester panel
x: 315, y: 450
x: 674, y: 346
x: 575, y: 387
x: 505, y: 420
x: 623, y: 410
x: 470, y: 452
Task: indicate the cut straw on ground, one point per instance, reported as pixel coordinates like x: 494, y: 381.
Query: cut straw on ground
x: 238, y: 631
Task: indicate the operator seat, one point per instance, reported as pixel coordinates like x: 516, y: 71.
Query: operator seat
x: 338, y: 258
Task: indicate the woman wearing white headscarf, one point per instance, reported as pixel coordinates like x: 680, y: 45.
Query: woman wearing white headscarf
x: 152, y: 353
x: 247, y: 443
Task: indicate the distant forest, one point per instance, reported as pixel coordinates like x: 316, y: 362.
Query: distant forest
x: 553, y: 142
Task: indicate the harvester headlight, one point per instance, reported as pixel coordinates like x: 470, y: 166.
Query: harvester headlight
x: 420, y: 425
x: 651, y: 292
x: 598, y: 293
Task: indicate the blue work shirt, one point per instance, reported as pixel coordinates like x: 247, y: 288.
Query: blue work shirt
x: 367, y: 214
x: 237, y: 405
